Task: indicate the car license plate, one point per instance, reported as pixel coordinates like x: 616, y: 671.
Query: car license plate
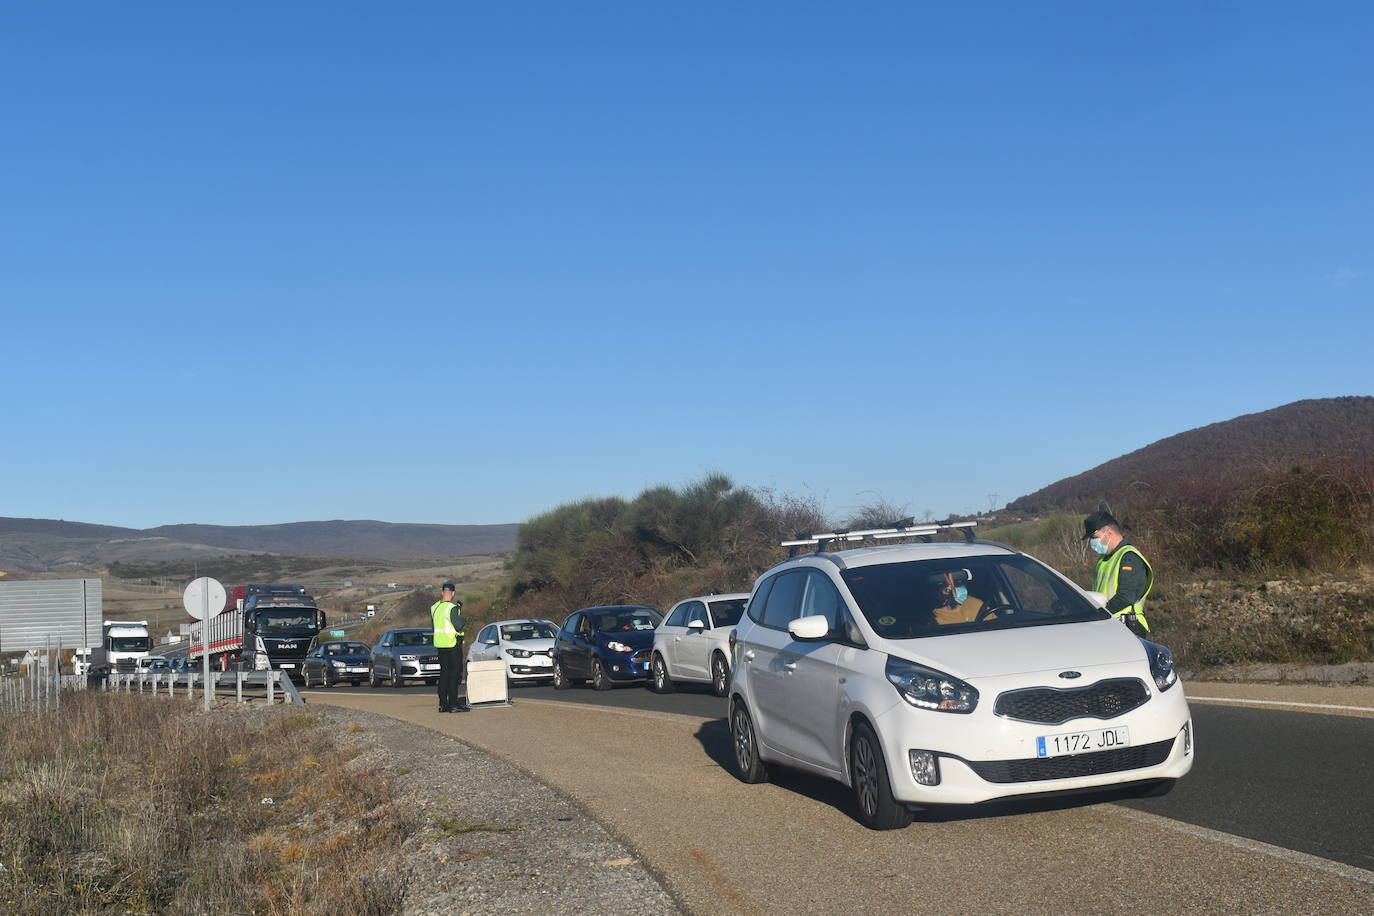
x: 1102, y: 739
x: 356, y: 670
x: 430, y: 667
x: 540, y: 661
x: 287, y: 665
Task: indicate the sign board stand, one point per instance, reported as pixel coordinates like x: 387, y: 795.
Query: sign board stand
x: 486, y: 685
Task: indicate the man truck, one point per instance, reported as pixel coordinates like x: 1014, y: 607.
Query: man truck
x: 262, y: 627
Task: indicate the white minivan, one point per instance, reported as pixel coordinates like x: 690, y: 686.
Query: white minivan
x: 948, y: 673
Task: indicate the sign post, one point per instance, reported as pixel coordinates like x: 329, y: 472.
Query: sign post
x: 203, y: 599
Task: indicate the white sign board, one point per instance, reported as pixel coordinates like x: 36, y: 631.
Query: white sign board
x: 204, y: 598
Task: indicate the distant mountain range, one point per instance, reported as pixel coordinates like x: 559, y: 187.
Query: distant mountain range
x: 1327, y: 434
x: 38, y: 544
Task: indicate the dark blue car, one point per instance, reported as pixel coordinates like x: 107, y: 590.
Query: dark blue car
x: 605, y: 645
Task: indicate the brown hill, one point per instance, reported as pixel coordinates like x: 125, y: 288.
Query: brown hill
x: 1323, y: 435
x: 38, y: 544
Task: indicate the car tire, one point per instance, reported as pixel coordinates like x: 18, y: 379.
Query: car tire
x: 560, y: 680
x: 372, y: 680
x: 878, y: 810
x: 661, y: 682
x: 1157, y: 789
x: 599, y: 679
x: 324, y: 679
x: 305, y: 679
x: 397, y: 681
x: 720, y: 675
x: 749, y: 767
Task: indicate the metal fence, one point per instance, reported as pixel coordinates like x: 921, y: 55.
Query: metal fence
x: 42, y: 690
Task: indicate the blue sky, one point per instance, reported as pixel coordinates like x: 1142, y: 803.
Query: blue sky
x: 462, y: 262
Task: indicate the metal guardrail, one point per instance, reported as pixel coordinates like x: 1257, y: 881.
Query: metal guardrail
x: 44, y: 693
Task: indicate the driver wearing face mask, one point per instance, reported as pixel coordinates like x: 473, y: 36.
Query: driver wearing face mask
x: 1122, y: 573
x: 955, y: 604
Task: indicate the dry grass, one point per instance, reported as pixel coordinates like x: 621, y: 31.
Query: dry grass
x: 137, y: 804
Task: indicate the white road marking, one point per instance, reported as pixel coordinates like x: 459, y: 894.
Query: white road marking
x: 1281, y: 703
x: 1216, y: 836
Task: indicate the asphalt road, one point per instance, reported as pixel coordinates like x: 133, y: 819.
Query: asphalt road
x: 1290, y: 779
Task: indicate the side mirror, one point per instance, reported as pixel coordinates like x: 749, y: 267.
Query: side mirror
x: 812, y: 628
x: 696, y: 625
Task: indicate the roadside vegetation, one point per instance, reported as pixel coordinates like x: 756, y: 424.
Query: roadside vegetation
x: 122, y: 804
x: 1275, y: 571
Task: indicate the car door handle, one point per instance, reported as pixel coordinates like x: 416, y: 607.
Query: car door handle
x: 790, y: 666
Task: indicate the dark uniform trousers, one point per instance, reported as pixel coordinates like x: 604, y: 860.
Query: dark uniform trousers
x: 450, y: 675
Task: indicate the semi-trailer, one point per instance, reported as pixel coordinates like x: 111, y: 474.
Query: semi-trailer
x: 262, y: 627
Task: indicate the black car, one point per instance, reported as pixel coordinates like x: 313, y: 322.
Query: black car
x: 605, y: 644
x: 336, y: 661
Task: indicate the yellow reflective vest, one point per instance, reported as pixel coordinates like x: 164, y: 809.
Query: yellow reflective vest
x: 446, y: 635
x: 1109, y: 571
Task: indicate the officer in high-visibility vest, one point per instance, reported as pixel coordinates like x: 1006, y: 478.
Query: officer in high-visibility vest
x: 1122, y: 573
x: 448, y: 640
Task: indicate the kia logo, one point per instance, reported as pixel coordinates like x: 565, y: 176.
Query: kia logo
x: 1070, y: 675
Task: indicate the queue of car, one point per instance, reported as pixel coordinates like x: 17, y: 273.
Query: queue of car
x: 915, y: 674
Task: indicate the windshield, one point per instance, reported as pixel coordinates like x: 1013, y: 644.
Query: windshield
x: 728, y: 613
x: 345, y: 648
x: 287, y: 618
x: 922, y: 597
x: 538, y: 629
x: 414, y: 638
x: 639, y: 618
x: 130, y: 643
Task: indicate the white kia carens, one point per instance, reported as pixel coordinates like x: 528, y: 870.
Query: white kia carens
x: 948, y: 673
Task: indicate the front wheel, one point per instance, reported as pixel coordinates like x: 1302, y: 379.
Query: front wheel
x: 720, y: 675
x: 599, y: 679
x: 749, y: 767
x: 396, y: 680
x: 305, y: 679
x: 662, y: 682
x: 324, y: 679
x: 560, y: 679
x: 372, y: 680
x: 878, y: 810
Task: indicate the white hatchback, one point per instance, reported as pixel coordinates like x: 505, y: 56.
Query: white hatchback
x: 526, y: 646
x: 948, y: 673
x: 692, y: 642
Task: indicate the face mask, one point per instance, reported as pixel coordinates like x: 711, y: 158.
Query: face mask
x: 960, y: 595
x: 1097, y: 545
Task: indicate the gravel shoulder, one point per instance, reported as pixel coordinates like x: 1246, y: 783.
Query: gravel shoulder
x: 491, y: 837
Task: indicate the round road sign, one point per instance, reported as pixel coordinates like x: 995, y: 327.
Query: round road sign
x: 204, y: 598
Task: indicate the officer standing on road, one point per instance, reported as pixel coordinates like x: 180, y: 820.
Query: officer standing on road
x: 448, y: 640
x: 1122, y: 573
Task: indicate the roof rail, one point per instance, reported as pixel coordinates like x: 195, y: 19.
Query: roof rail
x: 903, y: 529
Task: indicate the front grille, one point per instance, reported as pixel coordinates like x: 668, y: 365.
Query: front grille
x: 126, y: 664
x: 548, y: 652
x: 1051, y: 706
x: 1038, y: 769
x: 429, y: 659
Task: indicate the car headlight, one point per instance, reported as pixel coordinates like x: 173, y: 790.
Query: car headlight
x: 618, y: 646
x: 519, y: 653
x: 409, y: 658
x: 335, y: 663
x: 926, y: 688
x: 1161, y: 664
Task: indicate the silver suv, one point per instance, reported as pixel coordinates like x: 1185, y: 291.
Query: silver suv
x: 404, y: 654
